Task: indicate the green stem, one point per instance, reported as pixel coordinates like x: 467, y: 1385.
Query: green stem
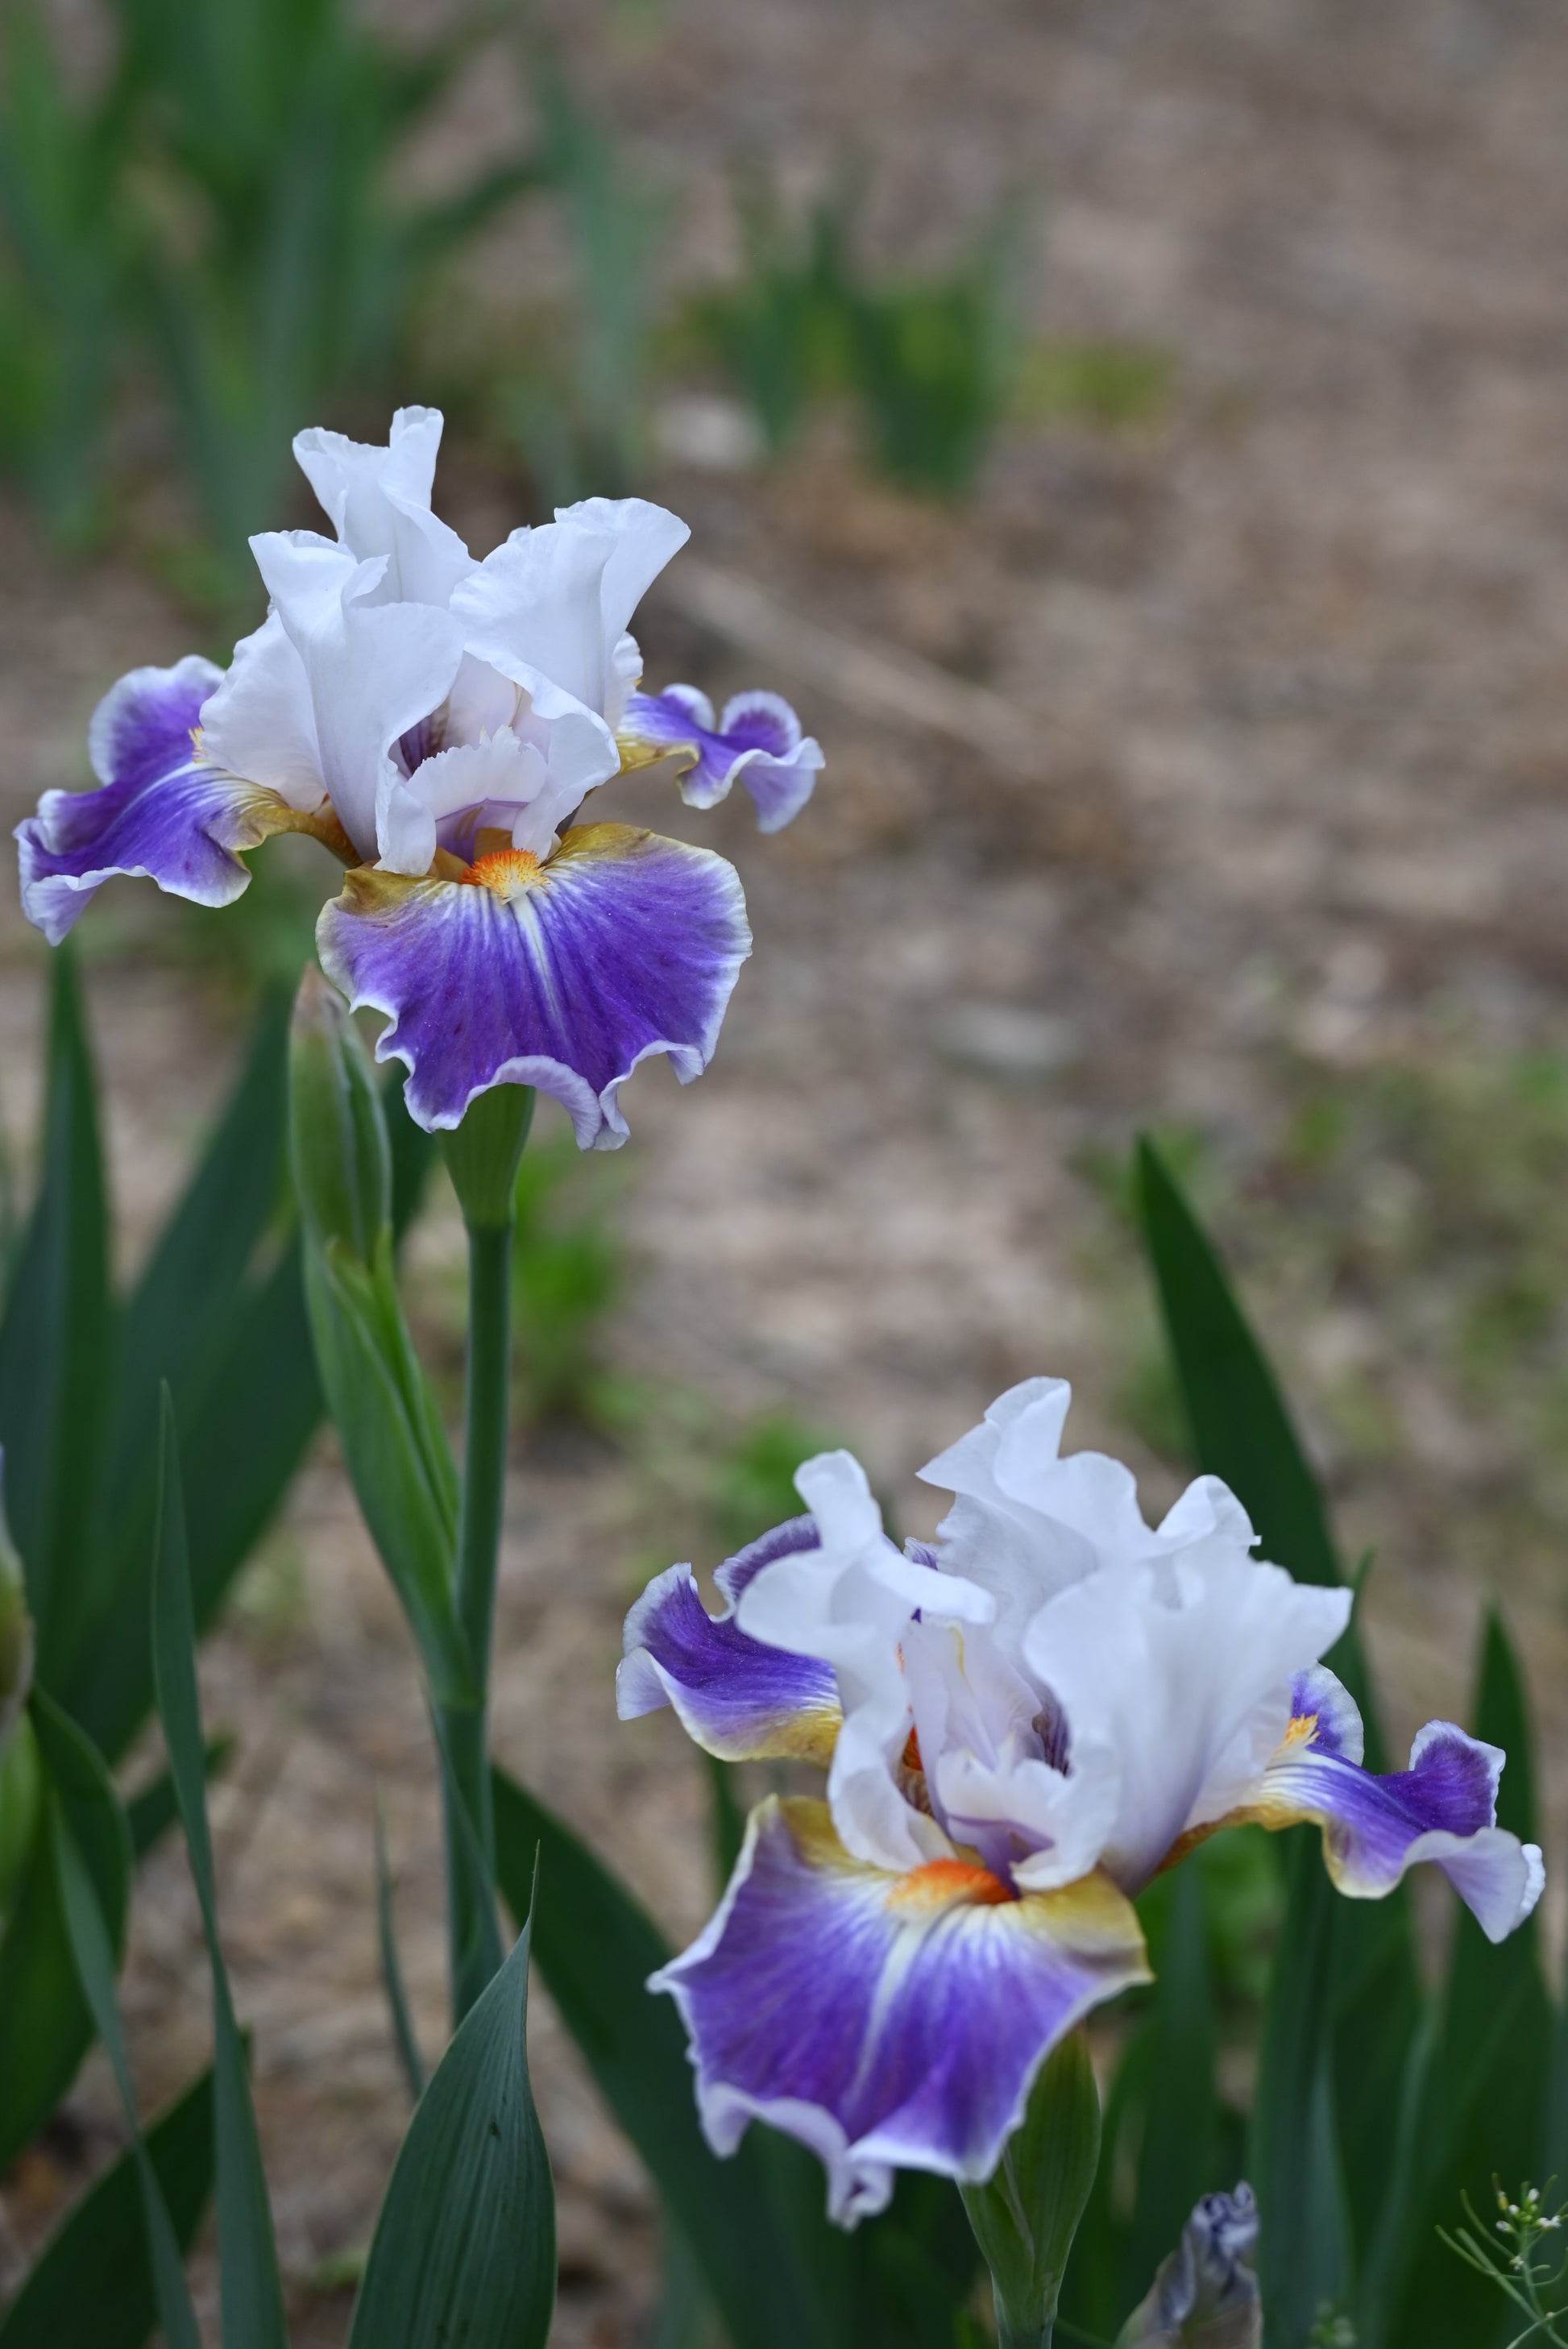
x: 476, y: 1951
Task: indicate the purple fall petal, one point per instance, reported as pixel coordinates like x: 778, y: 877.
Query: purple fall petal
x: 887, y: 2021
x: 160, y: 814
x: 737, y: 1698
x: 757, y: 741
x: 1443, y: 1808
x: 562, y: 976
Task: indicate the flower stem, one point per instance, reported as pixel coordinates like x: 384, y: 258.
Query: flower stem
x: 476, y: 1950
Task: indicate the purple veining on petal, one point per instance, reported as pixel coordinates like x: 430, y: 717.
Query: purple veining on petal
x: 757, y: 741
x: 784, y: 1541
x: 623, y: 945
x: 1443, y: 1808
x: 160, y: 814
x: 737, y: 1697
x: 888, y: 2021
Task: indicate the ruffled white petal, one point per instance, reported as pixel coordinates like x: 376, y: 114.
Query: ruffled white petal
x: 1184, y: 1669
x: 260, y: 723
x: 379, y: 501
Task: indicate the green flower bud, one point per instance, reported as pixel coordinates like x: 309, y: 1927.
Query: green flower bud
x: 338, y: 1134
x: 484, y: 1152
x: 1026, y: 2213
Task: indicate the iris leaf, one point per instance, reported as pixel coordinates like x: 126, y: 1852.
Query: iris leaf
x: 91, y: 2286
x: 94, y: 1963
x: 48, y: 2026
x: 395, y: 1446
x: 464, y: 2249
x: 1293, y: 2159
x: 56, y: 1341
x: 1180, y: 2140
x: 251, y: 2294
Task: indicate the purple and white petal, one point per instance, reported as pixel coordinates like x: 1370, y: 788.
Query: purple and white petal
x: 757, y: 741
x: 890, y: 2022
x: 1443, y: 1808
x: 735, y: 1697
x: 162, y: 813
x: 848, y: 1601
x: 564, y: 974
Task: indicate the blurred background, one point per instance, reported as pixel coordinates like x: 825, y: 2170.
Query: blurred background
x: 1135, y: 438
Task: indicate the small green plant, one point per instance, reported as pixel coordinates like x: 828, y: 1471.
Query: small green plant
x: 580, y: 406
x: 1534, y: 2279
x: 753, y: 1483
x: 223, y: 204
x: 780, y: 332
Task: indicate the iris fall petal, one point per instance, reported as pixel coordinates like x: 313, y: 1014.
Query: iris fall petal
x: 562, y: 975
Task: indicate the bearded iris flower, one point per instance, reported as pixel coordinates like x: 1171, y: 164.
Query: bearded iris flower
x: 1021, y: 1726
x: 438, y: 722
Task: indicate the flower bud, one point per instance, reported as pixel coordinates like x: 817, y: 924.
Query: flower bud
x: 483, y: 1152
x: 1205, y: 2295
x: 338, y: 1134
x: 1026, y: 2215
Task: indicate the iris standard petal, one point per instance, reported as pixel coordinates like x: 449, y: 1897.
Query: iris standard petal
x: 162, y: 814
x: 757, y: 742
x: 735, y: 1697
x: 379, y: 501
x: 1182, y: 1668
x: 562, y: 975
x: 888, y: 2021
x: 1443, y: 1808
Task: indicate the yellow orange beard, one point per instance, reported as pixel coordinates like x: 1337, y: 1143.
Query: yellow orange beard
x: 506, y: 872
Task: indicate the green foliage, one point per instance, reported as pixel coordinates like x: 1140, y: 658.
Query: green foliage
x: 568, y: 1273
x: 781, y: 331
x: 212, y: 1312
x: 1526, y: 2266
x: 1027, y: 2214
x: 48, y: 2020
x: 579, y: 404
x: 227, y: 204
x: 464, y: 2249
x: 752, y: 1484
x: 251, y: 2294
x: 92, y: 2287
x: 929, y: 361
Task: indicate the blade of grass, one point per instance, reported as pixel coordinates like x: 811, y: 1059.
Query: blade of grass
x: 250, y: 2293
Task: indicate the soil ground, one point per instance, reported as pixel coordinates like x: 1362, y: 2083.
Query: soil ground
x: 1290, y: 656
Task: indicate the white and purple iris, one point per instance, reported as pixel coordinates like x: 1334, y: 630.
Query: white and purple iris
x: 1021, y: 1726
x: 438, y: 722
